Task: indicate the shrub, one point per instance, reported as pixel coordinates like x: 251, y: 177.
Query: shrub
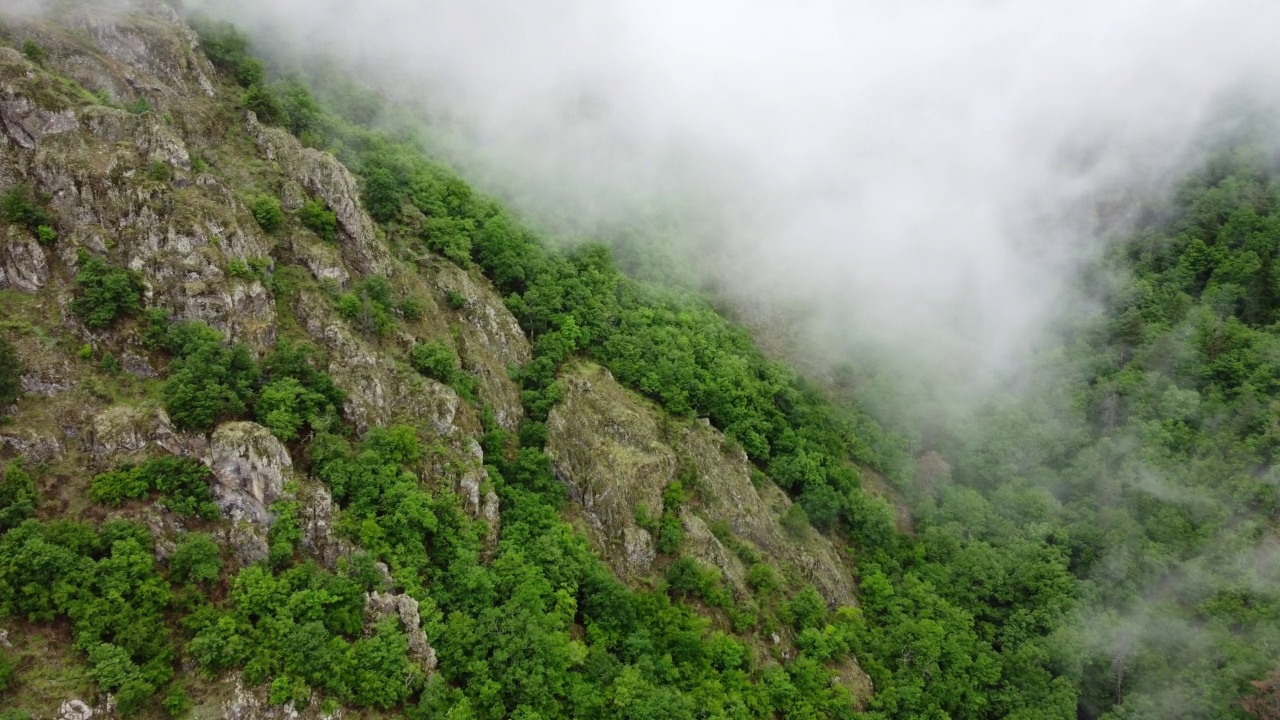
x: 259, y: 99
x: 806, y: 609
x: 285, y: 535
x: 435, y: 360
x: 33, y: 52
x: 160, y: 171
x: 317, y: 217
x: 139, y: 107
x: 411, y: 309
x: 763, y: 579
x: 266, y: 210
x: 457, y: 300
x: 10, y: 375
x: 208, y: 381
x: 155, y: 327
x: 17, y: 496
x: 176, y: 702
x: 197, y: 559
x: 286, y: 406
x: 228, y: 49
x: 21, y: 206
x: 105, y: 292
x: 182, y: 482
x: 795, y: 520
x: 7, y: 668
x: 369, y: 306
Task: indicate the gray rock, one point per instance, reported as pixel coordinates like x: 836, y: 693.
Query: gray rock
x: 381, y: 605
x: 75, y: 710
x: 23, y: 266
x: 323, y: 176
x: 33, y: 447
x: 316, y: 517
x: 25, y: 123
x: 251, y: 467
x: 127, y: 430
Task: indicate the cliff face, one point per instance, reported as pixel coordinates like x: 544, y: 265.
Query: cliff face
x: 123, y: 129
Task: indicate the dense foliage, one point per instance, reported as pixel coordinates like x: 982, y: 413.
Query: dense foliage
x: 105, y: 292
x: 181, y: 482
x: 106, y: 584
x: 20, y: 206
x: 1102, y: 546
x: 211, y: 381
x: 11, y: 370
x: 674, y: 347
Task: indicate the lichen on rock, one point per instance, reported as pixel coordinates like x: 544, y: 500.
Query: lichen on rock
x: 607, y: 444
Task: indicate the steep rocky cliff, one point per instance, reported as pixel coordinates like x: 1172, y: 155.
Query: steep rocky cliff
x: 112, y: 118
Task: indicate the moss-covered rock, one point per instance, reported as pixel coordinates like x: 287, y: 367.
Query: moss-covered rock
x: 23, y: 266
x: 323, y: 176
x: 611, y: 447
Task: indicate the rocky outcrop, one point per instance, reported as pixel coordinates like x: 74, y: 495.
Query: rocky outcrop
x: 32, y: 446
x: 604, y: 444
x: 251, y: 467
x: 315, y: 515
x: 75, y: 710
x: 608, y: 445
x: 23, y: 266
x: 123, y: 430
x: 323, y: 176
x: 382, y: 605
x: 379, y: 391
x: 254, y: 704
x: 753, y: 513
x: 490, y: 342
x: 25, y: 123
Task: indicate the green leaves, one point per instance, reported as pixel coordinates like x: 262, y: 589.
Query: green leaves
x: 11, y: 370
x: 286, y: 405
x: 295, y: 629
x: 319, y: 219
x: 266, y: 210
x: 104, y: 292
x: 435, y: 360
x: 196, y: 560
x: 183, y: 483
x: 105, y: 582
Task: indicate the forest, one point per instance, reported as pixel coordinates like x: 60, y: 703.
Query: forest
x: 1101, y: 544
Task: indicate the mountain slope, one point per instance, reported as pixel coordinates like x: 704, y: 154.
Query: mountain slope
x: 239, y: 388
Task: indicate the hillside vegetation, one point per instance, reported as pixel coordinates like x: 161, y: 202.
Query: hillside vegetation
x: 297, y: 417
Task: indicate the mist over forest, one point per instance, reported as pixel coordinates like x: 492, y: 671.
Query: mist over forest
x: 926, y: 175
x: 670, y: 359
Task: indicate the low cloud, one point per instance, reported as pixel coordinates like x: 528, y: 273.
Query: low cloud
x: 922, y: 174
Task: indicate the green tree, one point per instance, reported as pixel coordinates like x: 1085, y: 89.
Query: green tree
x: 208, y: 381
x: 20, y: 205
x: 382, y: 194
x: 266, y: 210
x: 105, y: 292
x: 263, y: 103
x: 197, y: 559
x: 317, y: 217
x: 17, y: 496
x: 11, y: 370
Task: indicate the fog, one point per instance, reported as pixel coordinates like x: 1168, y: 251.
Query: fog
x: 922, y: 174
